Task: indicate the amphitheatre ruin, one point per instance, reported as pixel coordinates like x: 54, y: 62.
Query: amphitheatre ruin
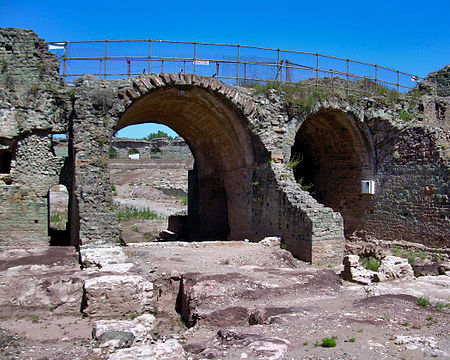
x: 291, y: 190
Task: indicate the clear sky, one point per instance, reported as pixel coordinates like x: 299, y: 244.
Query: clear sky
x: 412, y: 36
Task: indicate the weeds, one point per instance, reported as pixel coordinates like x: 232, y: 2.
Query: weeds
x: 353, y: 339
x: 295, y: 160
x: 124, y: 213
x: 370, y: 264
x: 183, y: 199
x: 328, y: 342
x: 406, y: 116
x: 410, y: 255
x: 421, y: 301
x: 133, y: 316
x: 305, y: 187
x: 304, y: 97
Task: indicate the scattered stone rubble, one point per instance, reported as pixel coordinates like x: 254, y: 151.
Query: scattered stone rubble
x: 391, y: 268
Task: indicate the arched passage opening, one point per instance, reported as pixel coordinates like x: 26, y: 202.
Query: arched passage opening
x: 150, y: 195
x: 219, y: 196
x: 333, y: 155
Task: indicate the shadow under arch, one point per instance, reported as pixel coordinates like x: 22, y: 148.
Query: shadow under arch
x: 216, y: 131
x: 335, y: 153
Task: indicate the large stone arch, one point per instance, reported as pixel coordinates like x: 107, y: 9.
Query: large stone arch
x: 237, y: 190
x: 210, y: 117
x: 335, y: 153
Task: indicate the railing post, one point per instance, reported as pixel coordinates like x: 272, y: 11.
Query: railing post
x: 66, y: 44
x: 332, y: 79
x: 149, y: 56
x: 128, y: 67
x: 245, y: 72
x: 279, y: 76
x: 376, y: 74
x: 106, y: 58
x: 317, y: 70
x: 100, y: 69
x: 195, y: 54
x: 238, y: 62
x: 398, y: 80
x: 348, y: 75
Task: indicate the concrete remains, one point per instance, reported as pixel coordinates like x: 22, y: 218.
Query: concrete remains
x: 308, y: 172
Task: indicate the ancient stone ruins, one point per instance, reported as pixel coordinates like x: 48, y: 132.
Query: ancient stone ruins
x: 310, y: 174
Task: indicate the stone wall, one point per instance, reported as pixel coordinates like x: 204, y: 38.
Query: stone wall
x: 158, y: 148
x: 33, y: 106
x: 244, y: 183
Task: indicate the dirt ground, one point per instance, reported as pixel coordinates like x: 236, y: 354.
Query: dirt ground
x: 239, y: 300
x: 250, y: 301
x: 161, y: 189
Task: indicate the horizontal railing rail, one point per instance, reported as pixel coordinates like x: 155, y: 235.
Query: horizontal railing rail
x: 239, y: 65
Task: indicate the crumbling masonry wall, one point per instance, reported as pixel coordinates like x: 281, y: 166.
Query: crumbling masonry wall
x: 33, y: 106
x: 242, y: 141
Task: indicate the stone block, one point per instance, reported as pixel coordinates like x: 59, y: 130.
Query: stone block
x: 116, y: 295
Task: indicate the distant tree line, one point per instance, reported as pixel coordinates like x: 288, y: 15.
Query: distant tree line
x: 158, y: 134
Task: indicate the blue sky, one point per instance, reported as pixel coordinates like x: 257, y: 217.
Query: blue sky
x: 413, y: 36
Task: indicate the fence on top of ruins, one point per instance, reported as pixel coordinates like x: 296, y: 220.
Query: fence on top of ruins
x: 234, y: 64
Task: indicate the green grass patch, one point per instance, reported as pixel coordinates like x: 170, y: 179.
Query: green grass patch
x: 353, y: 339
x: 370, y: 264
x: 124, y: 213
x: 421, y: 301
x: 328, y: 342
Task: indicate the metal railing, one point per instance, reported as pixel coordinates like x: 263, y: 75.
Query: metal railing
x: 234, y: 64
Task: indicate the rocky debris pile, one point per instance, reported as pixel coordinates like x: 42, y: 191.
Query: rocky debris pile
x: 391, y: 268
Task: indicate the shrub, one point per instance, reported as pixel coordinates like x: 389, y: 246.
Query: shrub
x: 328, y: 342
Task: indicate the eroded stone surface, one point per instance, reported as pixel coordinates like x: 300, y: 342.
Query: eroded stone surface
x: 116, y: 295
x: 169, y: 350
